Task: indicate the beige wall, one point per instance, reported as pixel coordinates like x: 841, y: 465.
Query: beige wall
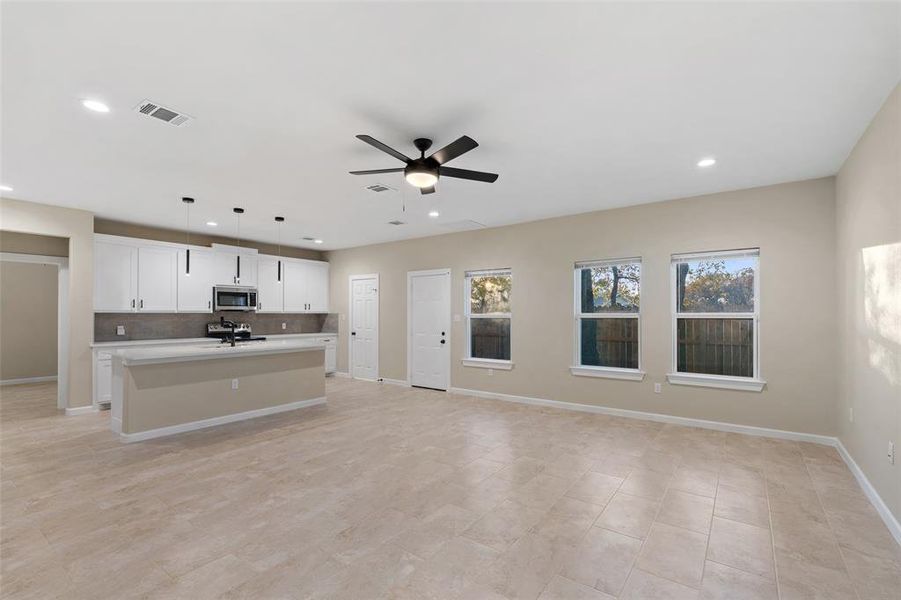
x: 868, y: 217
x: 792, y: 224
x: 78, y: 227
x: 28, y: 243
x: 27, y: 320
x: 147, y: 232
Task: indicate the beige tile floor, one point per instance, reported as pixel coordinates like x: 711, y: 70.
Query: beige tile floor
x: 389, y: 492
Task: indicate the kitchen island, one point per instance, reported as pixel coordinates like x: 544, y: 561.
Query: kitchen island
x: 164, y: 390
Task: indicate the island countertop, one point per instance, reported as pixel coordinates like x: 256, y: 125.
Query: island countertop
x: 213, y: 351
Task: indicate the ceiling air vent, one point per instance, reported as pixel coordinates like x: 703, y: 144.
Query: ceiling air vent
x: 396, y: 222
x: 380, y: 187
x: 153, y: 109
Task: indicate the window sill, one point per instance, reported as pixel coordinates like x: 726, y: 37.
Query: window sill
x: 608, y: 373
x: 747, y: 384
x: 488, y: 363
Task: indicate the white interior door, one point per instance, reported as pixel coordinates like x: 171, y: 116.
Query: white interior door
x: 364, y: 327
x: 429, y: 335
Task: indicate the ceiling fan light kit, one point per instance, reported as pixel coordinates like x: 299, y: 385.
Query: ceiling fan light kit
x: 424, y: 172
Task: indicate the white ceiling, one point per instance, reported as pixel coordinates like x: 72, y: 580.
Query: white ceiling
x: 579, y: 107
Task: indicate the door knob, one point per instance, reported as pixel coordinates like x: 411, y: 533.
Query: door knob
x: 353, y: 333
x: 442, y: 341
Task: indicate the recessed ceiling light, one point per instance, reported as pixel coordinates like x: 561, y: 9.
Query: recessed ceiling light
x: 434, y: 213
x: 212, y: 224
x: 317, y: 241
x: 5, y: 188
x: 95, y: 105
x: 707, y: 162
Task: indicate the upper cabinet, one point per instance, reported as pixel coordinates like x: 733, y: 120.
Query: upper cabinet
x: 317, y: 286
x: 270, y: 296
x: 115, y: 276
x: 157, y: 279
x: 234, y: 268
x: 305, y: 286
x: 134, y: 275
x: 195, y: 285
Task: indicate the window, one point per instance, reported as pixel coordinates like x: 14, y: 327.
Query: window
x: 715, y: 319
x: 488, y: 318
x: 607, y: 311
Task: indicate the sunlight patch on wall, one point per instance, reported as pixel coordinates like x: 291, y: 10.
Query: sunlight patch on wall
x: 882, y: 308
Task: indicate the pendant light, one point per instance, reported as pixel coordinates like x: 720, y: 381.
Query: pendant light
x: 188, y: 202
x: 279, y: 220
x: 238, y: 212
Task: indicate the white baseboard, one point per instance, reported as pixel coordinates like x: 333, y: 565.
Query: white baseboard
x: 647, y: 416
x: 28, y: 380
x: 343, y: 374
x: 81, y: 410
x: 400, y: 382
x: 212, y: 422
x: 875, y: 499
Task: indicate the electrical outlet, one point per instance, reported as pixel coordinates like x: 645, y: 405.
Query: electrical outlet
x: 234, y: 384
x: 120, y: 329
x: 657, y: 388
x: 850, y: 414
x: 891, y: 452
x: 284, y: 325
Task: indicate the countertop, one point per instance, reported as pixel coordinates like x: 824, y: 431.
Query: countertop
x: 168, y: 353
x: 204, y: 340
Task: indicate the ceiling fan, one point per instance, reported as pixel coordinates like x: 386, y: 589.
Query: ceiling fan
x: 423, y: 172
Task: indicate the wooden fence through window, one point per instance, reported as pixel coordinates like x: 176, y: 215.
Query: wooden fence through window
x: 715, y: 346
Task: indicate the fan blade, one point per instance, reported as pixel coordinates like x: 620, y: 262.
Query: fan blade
x: 428, y: 190
x: 455, y: 149
x: 377, y: 171
x: 384, y: 148
x: 467, y: 174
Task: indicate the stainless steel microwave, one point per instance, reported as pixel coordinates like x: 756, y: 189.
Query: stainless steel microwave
x: 232, y: 297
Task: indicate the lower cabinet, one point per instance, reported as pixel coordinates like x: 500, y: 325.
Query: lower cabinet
x: 103, y: 378
x: 331, y: 353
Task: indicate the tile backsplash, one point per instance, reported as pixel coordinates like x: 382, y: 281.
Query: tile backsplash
x: 189, y: 325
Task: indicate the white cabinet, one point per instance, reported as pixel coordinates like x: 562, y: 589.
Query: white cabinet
x: 306, y: 286
x: 295, y: 285
x: 134, y: 276
x: 235, y: 268
x: 103, y: 378
x: 270, y: 297
x: 317, y: 287
x: 115, y: 276
x: 157, y: 279
x: 331, y: 353
x: 195, y: 290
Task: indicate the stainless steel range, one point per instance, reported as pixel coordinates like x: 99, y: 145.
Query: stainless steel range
x: 223, y: 331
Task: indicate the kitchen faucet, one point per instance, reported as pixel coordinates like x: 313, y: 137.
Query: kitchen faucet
x: 232, y: 326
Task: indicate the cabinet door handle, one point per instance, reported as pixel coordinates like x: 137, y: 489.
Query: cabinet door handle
x: 142, y: 303
x: 132, y: 302
x: 209, y: 304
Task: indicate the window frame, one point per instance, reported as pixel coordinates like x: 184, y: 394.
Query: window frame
x: 755, y: 383
x: 577, y: 367
x: 468, y: 359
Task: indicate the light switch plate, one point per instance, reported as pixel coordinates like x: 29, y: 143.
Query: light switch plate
x: 234, y: 384
x: 120, y: 329
x: 284, y: 325
x: 657, y: 388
